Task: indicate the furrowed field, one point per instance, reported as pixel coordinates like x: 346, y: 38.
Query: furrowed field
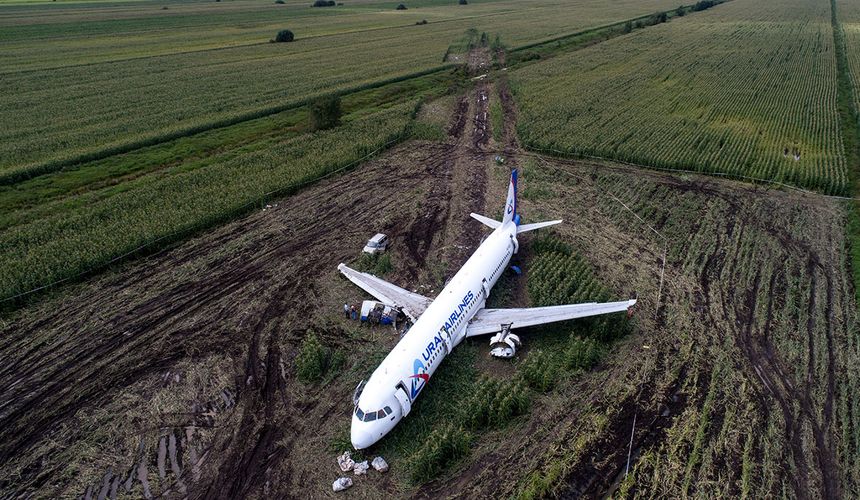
x: 746, y: 88
x: 80, y: 86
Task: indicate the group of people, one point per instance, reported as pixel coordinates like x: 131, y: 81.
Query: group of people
x: 350, y: 311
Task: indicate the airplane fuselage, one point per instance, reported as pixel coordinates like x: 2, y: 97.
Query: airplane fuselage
x: 393, y: 387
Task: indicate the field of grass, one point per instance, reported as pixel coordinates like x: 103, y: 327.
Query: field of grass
x: 745, y: 88
x: 89, y: 80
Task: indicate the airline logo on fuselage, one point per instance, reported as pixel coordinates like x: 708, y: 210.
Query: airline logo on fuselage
x: 419, y: 370
x: 456, y: 313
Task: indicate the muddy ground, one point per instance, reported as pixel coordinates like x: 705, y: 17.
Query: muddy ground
x: 174, y: 375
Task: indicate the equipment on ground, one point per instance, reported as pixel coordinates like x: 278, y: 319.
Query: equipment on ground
x: 378, y: 313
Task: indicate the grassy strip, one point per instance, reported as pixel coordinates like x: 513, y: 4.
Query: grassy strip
x: 849, y: 118
x: 25, y: 172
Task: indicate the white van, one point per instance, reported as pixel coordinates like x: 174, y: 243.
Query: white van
x: 377, y: 244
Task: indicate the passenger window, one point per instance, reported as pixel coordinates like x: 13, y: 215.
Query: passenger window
x: 388, y: 410
x: 370, y: 416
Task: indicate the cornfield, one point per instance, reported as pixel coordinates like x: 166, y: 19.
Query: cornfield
x: 97, y: 227
x: 78, y: 88
x: 747, y: 88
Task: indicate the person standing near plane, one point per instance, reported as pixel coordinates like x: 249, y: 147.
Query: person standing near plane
x: 346, y: 310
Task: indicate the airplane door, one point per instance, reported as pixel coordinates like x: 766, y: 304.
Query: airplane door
x: 486, y: 289
x: 403, y: 399
x: 446, y: 340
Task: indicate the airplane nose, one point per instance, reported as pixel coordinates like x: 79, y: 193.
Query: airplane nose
x: 360, y: 438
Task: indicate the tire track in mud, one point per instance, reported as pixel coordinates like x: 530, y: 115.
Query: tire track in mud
x: 173, y: 305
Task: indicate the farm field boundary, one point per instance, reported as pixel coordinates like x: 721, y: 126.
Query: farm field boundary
x: 30, y: 171
x: 205, y: 222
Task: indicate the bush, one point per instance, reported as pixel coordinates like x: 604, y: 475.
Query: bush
x: 539, y: 371
x: 628, y: 27
x: 703, y: 5
x: 315, y: 360
x: 660, y: 17
x: 443, y: 446
x: 681, y: 11
x: 284, y: 36
x: 463, y: 2
x: 325, y: 113
x: 423, y: 21
x: 493, y: 403
x: 280, y: 2
x: 401, y: 7
x: 377, y: 264
x: 324, y: 3
x: 311, y: 361
x: 583, y: 354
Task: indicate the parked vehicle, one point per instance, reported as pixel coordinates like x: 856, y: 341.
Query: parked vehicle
x: 377, y: 244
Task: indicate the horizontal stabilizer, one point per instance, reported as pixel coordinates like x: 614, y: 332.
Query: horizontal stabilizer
x: 486, y: 220
x: 537, y: 225
x: 491, y: 320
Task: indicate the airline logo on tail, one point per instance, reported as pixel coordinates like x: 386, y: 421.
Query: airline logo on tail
x: 511, y: 205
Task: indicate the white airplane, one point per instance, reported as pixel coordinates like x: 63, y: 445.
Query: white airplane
x: 440, y: 324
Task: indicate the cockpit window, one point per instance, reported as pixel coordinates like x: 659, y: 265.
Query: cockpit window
x: 380, y: 414
x: 359, y: 413
x: 370, y: 416
x: 388, y: 410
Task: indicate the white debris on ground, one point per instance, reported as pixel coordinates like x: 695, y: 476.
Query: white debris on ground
x: 345, y: 462
x: 341, y: 484
x: 361, y: 468
x: 380, y: 464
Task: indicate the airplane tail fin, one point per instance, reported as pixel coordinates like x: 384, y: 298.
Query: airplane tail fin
x: 511, y: 202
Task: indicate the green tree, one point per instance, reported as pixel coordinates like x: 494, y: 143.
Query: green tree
x: 325, y: 113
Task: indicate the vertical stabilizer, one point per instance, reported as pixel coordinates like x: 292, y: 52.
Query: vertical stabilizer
x: 511, y: 203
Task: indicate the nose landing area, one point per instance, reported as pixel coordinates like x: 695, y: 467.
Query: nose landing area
x: 361, y: 438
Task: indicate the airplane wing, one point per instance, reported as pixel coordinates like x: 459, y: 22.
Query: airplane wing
x: 412, y: 304
x: 491, y: 320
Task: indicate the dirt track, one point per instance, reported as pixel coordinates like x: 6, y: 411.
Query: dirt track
x: 174, y: 374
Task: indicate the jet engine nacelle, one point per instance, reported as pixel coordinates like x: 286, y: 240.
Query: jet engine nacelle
x: 504, y: 344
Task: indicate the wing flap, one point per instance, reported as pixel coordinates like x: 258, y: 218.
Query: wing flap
x: 412, y: 304
x: 491, y: 320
